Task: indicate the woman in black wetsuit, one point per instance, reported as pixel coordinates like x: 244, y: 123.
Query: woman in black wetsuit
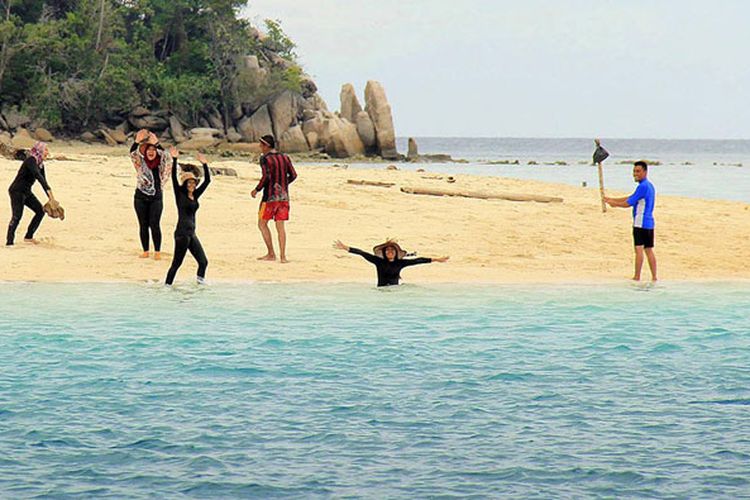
x: 389, y: 260
x: 32, y: 170
x: 151, y: 165
x: 186, y: 195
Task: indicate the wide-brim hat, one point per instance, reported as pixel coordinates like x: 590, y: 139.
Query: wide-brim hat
x: 379, y: 250
x: 186, y: 176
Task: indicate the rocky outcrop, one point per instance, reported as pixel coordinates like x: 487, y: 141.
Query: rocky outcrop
x: 350, y: 106
x: 254, y: 127
x: 366, y: 131
x: 340, y: 138
x: 150, y: 121
x: 413, y: 152
x: 15, y: 119
x: 176, y: 129
x: 376, y: 105
x: 293, y: 141
x: 284, y: 110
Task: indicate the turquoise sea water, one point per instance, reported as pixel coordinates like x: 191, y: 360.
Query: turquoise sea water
x: 307, y: 391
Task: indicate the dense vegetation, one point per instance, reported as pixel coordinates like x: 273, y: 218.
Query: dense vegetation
x: 71, y: 64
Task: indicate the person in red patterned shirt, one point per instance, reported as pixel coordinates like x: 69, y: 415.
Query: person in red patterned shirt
x: 277, y: 173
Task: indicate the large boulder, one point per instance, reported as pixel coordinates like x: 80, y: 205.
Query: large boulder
x: 150, y: 122
x: 252, y: 128
x: 284, y: 111
x: 349, y: 103
x: 139, y: 111
x: 294, y: 141
x: 200, y: 142
x: 376, y: 105
x: 88, y: 137
x: 312, y: 140
x: 340, y: 138
x: 118, y: 135
x: 22, y: 139
x: 202, y: 132
x: 233, y: 135
x: 107, y: 137
x: 366, y: 131
x: 3, y: 123
x: 413, y: 152
x: 215, y: 120
x: 176, y: 129
x: 15, y: 119
x: 42, y: 134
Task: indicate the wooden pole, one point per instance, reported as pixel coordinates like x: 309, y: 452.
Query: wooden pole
x: 601, y: 187
x: 483, y: 196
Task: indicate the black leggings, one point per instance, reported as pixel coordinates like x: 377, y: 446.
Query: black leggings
x: 181, y: 245
x: 17, y: 202
x: 149, y: 209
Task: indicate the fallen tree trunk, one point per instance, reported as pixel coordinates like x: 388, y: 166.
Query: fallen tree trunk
x: 483, y: 196
x: 370, y: 183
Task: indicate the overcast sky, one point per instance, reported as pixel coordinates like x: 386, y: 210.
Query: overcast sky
x: 533, y: 68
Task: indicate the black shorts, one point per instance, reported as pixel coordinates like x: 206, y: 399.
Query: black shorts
x: 643, y: 237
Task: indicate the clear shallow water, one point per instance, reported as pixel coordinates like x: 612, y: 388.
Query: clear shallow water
x: 263, y: 390
x: 713, y: 169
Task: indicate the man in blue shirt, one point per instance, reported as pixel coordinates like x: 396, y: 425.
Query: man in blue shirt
x: 642, y: 201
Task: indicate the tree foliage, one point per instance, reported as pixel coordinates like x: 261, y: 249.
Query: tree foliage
x: 73, y: 64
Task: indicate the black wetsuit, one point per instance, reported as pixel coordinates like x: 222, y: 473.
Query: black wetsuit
x: 184, y: 235
x: 389, y: 273
x: 149, y: 208
x: 21, y: 195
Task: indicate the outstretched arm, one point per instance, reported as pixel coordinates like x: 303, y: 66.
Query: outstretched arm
x: 418, y: 260
x: 367, y: 256
x: 206, y: 176
x: 617, y: 202
x: 175, y: 154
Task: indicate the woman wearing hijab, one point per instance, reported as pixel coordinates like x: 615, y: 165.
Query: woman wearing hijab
x: 186, y: 194
x: 389, y: 259
x: 152, y: 166
x: 32, y: 170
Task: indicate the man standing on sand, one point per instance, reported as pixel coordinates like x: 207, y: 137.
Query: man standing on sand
x: 277, y: 173
x: 642, y: 201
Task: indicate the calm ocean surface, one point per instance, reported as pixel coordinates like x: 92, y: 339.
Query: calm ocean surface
x: 307, y: 391
x: 713, y: 169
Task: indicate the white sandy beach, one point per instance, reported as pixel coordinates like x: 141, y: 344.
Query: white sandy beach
x: 488, y: 240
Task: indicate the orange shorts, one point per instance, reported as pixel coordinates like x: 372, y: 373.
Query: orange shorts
x: 276, y: 210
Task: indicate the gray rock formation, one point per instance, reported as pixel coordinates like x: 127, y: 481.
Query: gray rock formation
x: 376, y: 105
x: 252, y: 128
x: 284, y: 111
x: 340, y: 138
x: 15, y: 119
x: 176, y: 129
x: 150, y: 122
x: 350, y: 106
x: 293, y: 141
x: 413, y: 153
x: 366, y: 131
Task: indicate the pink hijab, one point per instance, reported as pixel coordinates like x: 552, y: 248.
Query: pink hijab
x: 38, y: 152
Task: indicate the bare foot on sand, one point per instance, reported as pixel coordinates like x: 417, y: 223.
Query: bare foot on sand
x: 268, y: 256
x: 284, y: 260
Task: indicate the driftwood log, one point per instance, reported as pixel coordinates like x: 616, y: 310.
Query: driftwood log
x: 483, y: 196
x: 370, y: 183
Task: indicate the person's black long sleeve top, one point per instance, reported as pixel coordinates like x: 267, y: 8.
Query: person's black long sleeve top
x: 389, y: 273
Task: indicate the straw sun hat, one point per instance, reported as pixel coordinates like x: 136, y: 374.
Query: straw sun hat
x: 186, y: 176
x: 379, y: 250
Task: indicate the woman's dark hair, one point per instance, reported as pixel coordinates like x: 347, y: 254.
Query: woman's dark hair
x: 642, y: 164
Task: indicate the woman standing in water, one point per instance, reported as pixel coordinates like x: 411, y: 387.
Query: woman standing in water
x: 389, y: 260
x: 32, y: 170
x: 186, y: 194
x: 152, y: 165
